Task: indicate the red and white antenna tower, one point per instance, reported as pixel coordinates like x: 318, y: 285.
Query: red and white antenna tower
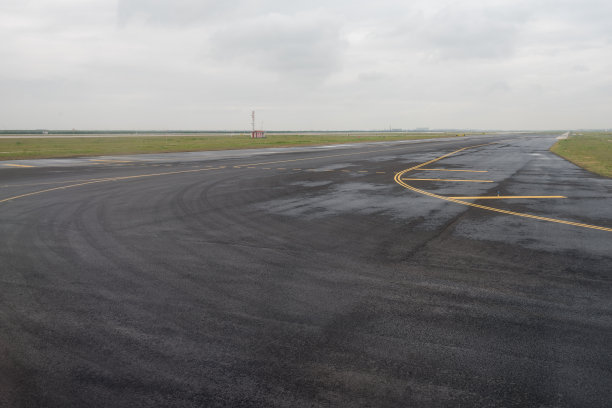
x: 256, y: 134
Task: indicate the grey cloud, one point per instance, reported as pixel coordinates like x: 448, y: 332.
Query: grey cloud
x: 185, y: 12
x: 371, y: 76
x: 312, y: 65
x: 452, y: 31
x: 476, y: 33
x: 176, y: 12
x: 304, y: 44
x: 580, y: 68
x: 498, y: 87
x: 495, y: 30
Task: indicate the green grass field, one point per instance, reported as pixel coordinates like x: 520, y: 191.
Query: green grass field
x: 589, y: 150
x: 74, y: 146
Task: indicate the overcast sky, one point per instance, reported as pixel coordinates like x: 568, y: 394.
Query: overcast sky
x: 334, y: 64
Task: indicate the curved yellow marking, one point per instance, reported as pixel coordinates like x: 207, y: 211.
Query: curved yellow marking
x: 103, y: 180
x: 16, y: 165
x: 398, y: 180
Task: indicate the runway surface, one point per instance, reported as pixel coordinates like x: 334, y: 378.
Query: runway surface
x: 471, y: 271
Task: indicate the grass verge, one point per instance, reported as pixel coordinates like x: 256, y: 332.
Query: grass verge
x: 591, y: 151
x: 74, y: 146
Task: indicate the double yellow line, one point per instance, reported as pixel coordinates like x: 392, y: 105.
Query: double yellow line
x: 400, y: 181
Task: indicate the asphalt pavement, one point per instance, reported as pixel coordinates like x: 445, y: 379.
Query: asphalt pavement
x: 473, y: 271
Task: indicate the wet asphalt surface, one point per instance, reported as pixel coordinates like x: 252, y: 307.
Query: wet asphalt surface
x: 306, y: 277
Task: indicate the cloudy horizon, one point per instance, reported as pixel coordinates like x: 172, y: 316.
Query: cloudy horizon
x: 187, y: 64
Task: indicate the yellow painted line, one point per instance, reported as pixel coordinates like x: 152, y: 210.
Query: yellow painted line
x: 92, y: 181
x: 348, y: 154
x: 469, y: 171
x: 16, y: 165
x: 432, y: 179
x: 110, y: 160
x: 297, y: 169
x: 53, y: 182
x: 501, y: 197
x: 418, y: 166
x: 398, y: 180
x: 103, y: 180
x: 281, y: 168
x: 362, y: 171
